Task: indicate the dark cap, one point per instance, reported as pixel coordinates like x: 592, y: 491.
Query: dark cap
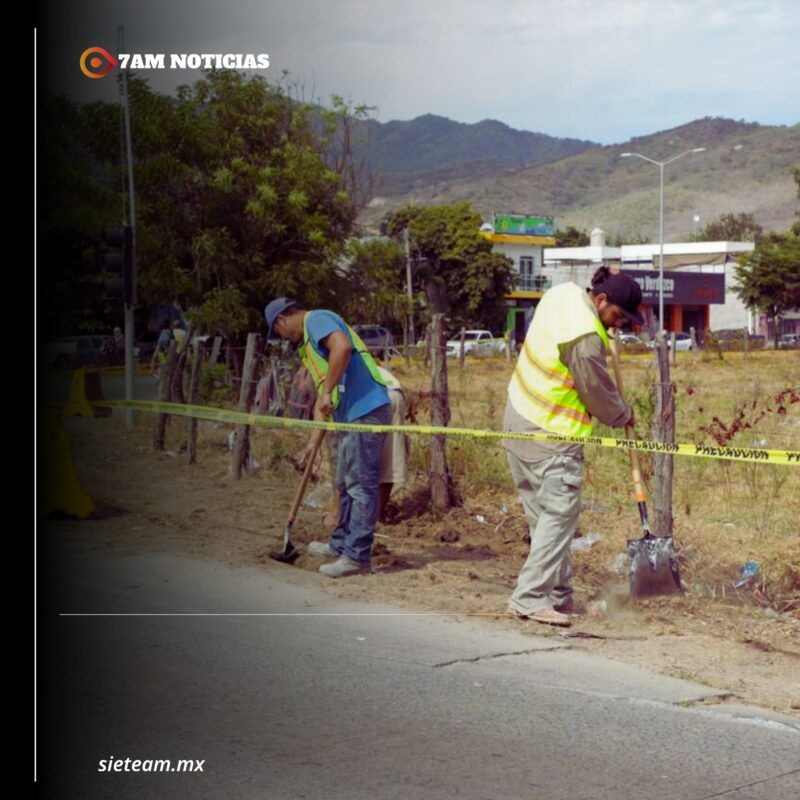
x: 278, y: 306
x: 623, y: 291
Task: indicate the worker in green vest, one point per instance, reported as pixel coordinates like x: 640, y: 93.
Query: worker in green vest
x: 350, y: 388
x: 560, y: 384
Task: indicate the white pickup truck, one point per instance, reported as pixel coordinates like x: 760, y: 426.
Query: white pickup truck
x: 481, y: 343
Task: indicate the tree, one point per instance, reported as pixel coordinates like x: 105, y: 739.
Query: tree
x: 454, y: 266
x: 572, y: 237
x: 243, y: 193
x: 76, y: 202
x: 269, y: 198
x: 769, y: 277
x: 375, y: 269
x: 740, y: 227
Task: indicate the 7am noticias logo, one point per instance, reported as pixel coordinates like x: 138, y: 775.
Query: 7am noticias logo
x: 97, y: 62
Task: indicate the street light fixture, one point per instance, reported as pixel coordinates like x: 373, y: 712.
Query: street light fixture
x: 661, y: 165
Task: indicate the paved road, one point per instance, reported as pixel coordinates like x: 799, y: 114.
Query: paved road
x: 285, y: 692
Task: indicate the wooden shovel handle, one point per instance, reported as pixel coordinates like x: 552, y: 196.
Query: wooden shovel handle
x: 301, y: 489
x: 638, y: 483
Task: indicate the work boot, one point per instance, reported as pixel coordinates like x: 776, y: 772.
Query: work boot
x: 343, y: 567
x: 321, y: 550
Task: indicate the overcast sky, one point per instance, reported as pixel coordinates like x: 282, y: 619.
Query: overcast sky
x: 603, y: 70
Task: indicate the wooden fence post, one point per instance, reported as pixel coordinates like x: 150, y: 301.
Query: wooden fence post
x: 241, y: 447
x: 440, y: 482
x: 165, y: 376
x: 215, y: 348
x: 194, y: 399
x: 663, y: 431
x: 426, y: 358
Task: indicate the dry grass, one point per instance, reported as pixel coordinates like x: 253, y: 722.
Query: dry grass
x: 725, y: 513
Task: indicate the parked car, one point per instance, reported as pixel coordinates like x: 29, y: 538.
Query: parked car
x: 77, y: 351
x: 629, y: 339
x: 789, y: 341
x: 478, y: 342
x: 377, y: 339
x: 683, y: 342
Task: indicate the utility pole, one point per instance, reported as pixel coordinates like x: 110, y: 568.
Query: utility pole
x: 130, y: 302
x: 411, y: 337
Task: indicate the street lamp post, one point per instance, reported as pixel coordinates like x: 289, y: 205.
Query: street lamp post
x: 661, y: 165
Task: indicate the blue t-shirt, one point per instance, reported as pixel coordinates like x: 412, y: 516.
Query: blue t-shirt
x: 358, y: 392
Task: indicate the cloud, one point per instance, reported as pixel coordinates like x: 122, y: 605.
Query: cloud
x: 596, y: 69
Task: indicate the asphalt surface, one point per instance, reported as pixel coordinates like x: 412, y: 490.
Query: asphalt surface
x: 285, y: 692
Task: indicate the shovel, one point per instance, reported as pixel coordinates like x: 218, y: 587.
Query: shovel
x: 654, y: 566
x: 290, y: 553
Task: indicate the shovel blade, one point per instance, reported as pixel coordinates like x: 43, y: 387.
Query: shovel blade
x: 290, y: 553
x: 286, y: 556
x: 653, y: 567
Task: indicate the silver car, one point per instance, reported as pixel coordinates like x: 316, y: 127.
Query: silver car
x: 379, y: 340
x: 789, y: 341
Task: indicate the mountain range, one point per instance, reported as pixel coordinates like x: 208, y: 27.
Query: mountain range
x: 746, y: 167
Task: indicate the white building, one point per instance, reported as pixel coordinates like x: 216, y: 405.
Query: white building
x: 698, y: 278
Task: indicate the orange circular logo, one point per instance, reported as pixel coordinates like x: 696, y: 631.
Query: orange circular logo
x: 96, y: 62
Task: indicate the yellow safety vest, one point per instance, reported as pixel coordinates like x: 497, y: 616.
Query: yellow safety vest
x: 542, y: 389
x: 318, y: 366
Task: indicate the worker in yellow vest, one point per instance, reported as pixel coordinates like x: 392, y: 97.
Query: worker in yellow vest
x: 350, y: 388
x: 560, y: 383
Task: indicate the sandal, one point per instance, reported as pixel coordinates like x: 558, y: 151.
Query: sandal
x: 547, y: 616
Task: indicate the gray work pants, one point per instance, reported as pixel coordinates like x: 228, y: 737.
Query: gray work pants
x: 550, y: 491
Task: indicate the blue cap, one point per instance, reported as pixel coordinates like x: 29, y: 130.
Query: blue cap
x: 274, y: 309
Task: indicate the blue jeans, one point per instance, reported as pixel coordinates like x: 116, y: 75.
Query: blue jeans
x: 357, y: 479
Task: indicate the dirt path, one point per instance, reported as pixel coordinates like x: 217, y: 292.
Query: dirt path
x: 465, y: 562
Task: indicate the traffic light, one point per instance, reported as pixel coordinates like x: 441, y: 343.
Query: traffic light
x: 117, y: 264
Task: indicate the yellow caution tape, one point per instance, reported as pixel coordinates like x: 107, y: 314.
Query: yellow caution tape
x: 751, y: 454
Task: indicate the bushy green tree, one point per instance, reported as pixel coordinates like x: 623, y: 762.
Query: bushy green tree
x: 243, y: 193
x: 76, y: 199
x: 572, y: 237
x: 769, y: 277
x: 374, y: 280
x: 455, y: 268
x: 740, y: 227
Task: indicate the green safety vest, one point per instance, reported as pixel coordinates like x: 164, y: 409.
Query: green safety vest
x: 542, y: 389
x: 389, y: 380
x: 318, y: 366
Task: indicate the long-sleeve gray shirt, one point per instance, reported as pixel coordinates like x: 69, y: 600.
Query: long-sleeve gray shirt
x: 585, y: 357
